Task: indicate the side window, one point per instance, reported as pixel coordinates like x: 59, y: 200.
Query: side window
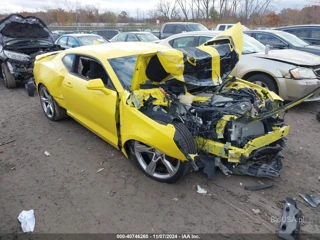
x: 168, y: 28
x: 315, y: 32
x: 88, y: 68
x: 121, y: 37
x: 221, y: 28
x: 132, y: 38
x: 202, y: 40
x: 63, y: 41
x: 180, y: 29
x: 183, y: 42
x: 72, y: 42
x: 68, y: 61
x: 229, y: 26
x: 302, y: 33
x: 268, y: 39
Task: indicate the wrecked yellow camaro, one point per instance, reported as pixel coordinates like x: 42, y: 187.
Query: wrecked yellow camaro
x: 166, y: 109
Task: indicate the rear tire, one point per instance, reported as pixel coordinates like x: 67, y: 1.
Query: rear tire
x: 49, y: 106
x: 8, y: 78
x: 318, y: 116
x: 264, y: 81
x: 164, y: 168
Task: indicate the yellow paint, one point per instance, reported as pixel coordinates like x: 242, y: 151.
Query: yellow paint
x: 233, y: 154
x: 222, y: 124
x: 138, y: 97
x: 215, y: 63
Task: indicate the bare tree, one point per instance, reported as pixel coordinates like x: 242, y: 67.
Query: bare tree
x: 184, y: 6
x: 168, y: 9
x: 207, y: 5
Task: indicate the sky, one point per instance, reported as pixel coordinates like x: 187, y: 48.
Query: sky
x: 130, y: 6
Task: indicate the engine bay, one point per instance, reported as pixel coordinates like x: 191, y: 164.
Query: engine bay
x: 220, y: 116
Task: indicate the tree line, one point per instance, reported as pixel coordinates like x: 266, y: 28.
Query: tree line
x: 210, y: 12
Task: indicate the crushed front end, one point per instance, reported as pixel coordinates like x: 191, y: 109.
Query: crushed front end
x: 236, y: 125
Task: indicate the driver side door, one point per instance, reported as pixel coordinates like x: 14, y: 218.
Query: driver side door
x: 95, y: 109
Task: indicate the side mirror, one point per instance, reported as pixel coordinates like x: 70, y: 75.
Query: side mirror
x: 74, y: 45
x: 95, y: 84
x: 281, y: 46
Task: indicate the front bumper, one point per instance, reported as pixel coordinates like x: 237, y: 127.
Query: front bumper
x: 291, y: 89
x: 240, y: 155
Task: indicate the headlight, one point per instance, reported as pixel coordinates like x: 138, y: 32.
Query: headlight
x: 302, y: 73
x: 17, y: 56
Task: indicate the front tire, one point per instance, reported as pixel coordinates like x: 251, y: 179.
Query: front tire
x: 8, y: 78
x: 318, y: 116
x: 49, y: 106
x: 159, y: 166
x: 264, y: 81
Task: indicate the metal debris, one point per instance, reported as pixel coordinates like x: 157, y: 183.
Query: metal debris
x: 175, y: 199
x: 47, y: 153
x: 313, y: 201
x: 289, y: 227
x: 258, y: 187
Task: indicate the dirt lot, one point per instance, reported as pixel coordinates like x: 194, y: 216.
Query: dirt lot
x: 69, y: 196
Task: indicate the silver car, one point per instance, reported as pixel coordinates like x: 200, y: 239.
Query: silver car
x: 289, y: 73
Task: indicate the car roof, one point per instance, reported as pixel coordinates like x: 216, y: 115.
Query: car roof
x: 294, y: 26
x: 138, y: 32
x: 105, y: 30
x: 266, y: 31
x: 79, y: 35
x: 117, y: 49
x: 181, y: 23
x: 195, y: 33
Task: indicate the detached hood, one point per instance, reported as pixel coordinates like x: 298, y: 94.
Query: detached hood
x: 206, y: 65
x: 16, y: 27
x: 290, y: 56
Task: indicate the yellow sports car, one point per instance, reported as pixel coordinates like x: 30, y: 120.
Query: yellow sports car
x: 166, y: 109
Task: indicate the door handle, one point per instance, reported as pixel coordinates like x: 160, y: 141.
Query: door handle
x: 68, y: 84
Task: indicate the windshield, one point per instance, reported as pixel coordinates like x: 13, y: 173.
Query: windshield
x: 29, y: 43
x: 90, y: 40
x: 124, y: 68
x: 146, y: 37
x: 251, y: 45
x: 292, y: 39
x: 196, y: 27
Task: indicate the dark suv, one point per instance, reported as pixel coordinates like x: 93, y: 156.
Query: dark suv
x: 21, y: 40
x: 309, y: 33
x: 277, y: 39
x: 106, y: 33
x: 171, y: 28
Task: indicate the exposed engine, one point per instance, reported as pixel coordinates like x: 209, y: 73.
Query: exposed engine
x: 226, y: 115
x: 202, y: 118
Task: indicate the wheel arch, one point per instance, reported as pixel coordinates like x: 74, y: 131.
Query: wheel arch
x: 250, y: 74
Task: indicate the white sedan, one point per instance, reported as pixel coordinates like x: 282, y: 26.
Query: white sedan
x: 289, y: 73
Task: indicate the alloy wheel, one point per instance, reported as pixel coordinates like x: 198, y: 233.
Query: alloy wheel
x: 46, y: 102
x: 154, y: 162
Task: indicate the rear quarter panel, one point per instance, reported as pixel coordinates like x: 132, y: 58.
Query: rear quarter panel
x: 50, y: 72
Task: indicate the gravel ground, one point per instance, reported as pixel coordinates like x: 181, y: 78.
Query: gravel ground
x: 69, y: 196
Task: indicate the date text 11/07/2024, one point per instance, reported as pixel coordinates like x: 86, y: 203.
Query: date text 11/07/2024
x: 158, y: 236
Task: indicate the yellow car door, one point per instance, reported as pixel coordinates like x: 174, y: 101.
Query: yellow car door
x: 95, y: 108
